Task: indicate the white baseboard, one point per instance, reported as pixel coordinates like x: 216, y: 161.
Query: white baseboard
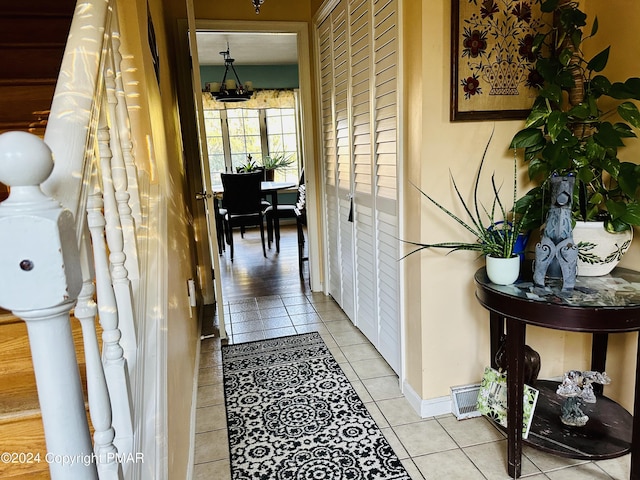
x: 427, y: 408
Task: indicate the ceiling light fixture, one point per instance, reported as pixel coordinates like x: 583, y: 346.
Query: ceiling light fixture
x: 230, y: 90
x: 257, y: 3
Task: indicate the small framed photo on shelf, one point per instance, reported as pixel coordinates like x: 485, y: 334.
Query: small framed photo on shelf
x: 492, y: 400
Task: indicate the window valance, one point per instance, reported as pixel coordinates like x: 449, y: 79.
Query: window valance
x: 260, y: 99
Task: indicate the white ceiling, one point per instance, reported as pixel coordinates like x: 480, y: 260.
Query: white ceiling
x: 247, y: 48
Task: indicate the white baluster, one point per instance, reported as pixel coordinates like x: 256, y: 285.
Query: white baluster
x: 115, y: 365
x: 40, y: 280
x: 117, y: 135
x: 124, y: 123
x: 99, y: 403
x: 115, y: 241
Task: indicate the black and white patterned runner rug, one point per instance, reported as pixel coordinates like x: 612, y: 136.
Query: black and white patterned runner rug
x: 293, y: 415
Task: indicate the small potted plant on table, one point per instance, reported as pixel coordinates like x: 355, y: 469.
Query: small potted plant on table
x: 499, y: 233
x: 275, y: 161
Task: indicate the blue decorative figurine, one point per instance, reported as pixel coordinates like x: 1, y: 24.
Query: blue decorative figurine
x: 556, y: 251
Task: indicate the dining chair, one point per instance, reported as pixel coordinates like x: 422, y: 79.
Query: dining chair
x: 284, y: 210
x: 220, y: 213
x: 242, y: 200
x: 300, y: 211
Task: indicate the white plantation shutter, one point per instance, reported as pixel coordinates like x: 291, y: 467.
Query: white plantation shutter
x: 363, y: 173
x: 329, y: 148
x: 358, y: 47
x: 386, y: 166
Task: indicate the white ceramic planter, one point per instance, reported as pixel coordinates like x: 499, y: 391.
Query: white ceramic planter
x: 503, y: 271
x: 598, y: 250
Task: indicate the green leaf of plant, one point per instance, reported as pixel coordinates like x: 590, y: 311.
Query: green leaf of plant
x: 576, y: 39
x: 581, y: 111
x: 527, y: 138
x: 538, y: 114
x: 557, y: 157
x: 607, y: 136
x: 565, y: 56
x: 624, y: 130
x: 616, y: 225
x: 596, y: 199
x: 629, y: 112
x: 620, y: 91
x: 629, y: 179
x: 633, y: 85
x: 600, y: 84
x: 552, y: 92
x: 594, y: 28
x: 632, y: 214
x: 538, y: 169
x: 556, y: 122
x: 611, y: 166
x: 547, y: 68
x: 584, y: 175
x: 565, y: 80
x: 538, y: 41
x: 616, y: 209
x: 598, y: 62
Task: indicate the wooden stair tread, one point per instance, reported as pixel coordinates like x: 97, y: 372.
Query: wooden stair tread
x: 38, y: 8
x: 18, y: 393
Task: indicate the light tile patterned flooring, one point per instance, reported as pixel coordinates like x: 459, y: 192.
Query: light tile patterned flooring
x: 440, y: 448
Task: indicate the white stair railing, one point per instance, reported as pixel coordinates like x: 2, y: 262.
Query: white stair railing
x: 96, y: 180
x: 97, y: 392
x: 115, y: 364
x: 115, y: 240
x: 120, y: 141
x: 41, y: 280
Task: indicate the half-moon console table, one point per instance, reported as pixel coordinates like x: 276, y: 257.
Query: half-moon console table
x: 598, y: 305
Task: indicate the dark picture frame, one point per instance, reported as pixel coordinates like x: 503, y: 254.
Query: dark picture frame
x: 492, y: 65
x: 153, y: 44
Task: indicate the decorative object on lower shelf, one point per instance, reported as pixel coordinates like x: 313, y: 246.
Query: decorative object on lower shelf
x: 599, y: 250
x: 532, y: 362
x: 492, y: 400
x: 556, y: 252
x: 577, y: 387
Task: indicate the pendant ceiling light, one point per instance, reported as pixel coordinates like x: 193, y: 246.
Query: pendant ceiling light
x: 257, y: 3
x: 230, y: 89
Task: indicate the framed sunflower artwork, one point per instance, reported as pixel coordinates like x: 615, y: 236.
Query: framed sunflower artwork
x: 493, y: 75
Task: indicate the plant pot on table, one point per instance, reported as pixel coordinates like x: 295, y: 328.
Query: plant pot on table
x: 503, y: 271
x: 599, y: 251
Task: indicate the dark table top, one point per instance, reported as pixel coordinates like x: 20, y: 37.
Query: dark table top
x: 609, y: 303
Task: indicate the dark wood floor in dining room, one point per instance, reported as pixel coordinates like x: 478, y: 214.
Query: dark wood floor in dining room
x: 252, y: 275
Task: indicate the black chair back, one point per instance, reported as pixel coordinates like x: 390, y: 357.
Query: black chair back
x: 242, y: 194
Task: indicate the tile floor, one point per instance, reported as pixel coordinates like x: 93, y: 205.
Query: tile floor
x: 440, y: 448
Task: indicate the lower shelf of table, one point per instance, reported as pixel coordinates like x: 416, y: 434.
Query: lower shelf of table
x: 607, y: 434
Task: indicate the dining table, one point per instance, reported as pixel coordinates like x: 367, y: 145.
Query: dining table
x: 270, y: 188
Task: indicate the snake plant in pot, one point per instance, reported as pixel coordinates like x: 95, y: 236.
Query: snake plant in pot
x: 578, y: 122
x: 499, y: 233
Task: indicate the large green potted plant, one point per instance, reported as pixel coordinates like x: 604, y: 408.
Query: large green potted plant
x: 499, y: 234
x: 577, y: 123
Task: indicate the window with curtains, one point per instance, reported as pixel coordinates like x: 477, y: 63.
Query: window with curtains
x: 265, y: 125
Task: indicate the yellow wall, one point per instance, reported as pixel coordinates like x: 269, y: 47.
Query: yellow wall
x: 271, y: 10
x: 453, y: 344
x: 158, y: 151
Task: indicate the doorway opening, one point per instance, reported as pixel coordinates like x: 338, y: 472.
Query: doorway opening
x: 239, y: 37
